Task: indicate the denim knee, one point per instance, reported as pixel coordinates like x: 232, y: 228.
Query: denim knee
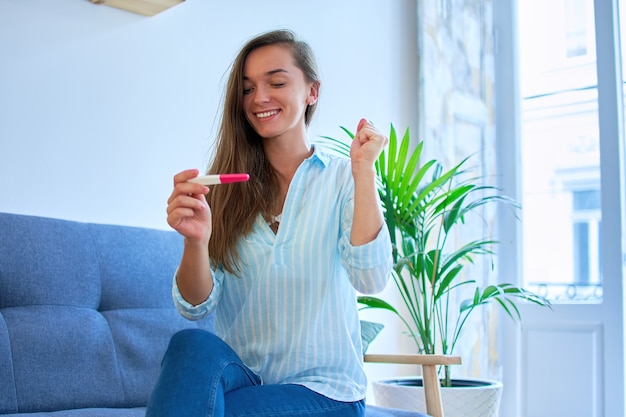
x: 200, y: 347
x: 190, y: 337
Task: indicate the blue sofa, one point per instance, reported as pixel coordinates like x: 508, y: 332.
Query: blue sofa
x: 85, y: 317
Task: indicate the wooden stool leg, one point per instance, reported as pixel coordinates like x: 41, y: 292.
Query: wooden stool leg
x: 432, y: 391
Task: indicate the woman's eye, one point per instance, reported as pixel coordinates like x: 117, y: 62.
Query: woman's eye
x: 247, y: 91
x: 278, y: 85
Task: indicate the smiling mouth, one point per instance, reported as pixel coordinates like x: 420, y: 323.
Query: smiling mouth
x: 266, y: 114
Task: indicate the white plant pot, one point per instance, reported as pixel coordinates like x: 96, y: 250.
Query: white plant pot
x: 467, y: 398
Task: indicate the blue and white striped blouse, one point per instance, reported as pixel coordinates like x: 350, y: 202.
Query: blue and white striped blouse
x: 292, y: 316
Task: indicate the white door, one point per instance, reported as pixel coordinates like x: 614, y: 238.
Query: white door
x: 560, y: 133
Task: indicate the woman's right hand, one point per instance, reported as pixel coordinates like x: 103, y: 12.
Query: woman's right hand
x: 187, y: 209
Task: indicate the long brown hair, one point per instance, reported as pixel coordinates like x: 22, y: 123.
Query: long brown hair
x: 240, y: 149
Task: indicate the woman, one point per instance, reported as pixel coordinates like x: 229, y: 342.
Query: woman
x: 287, y: 252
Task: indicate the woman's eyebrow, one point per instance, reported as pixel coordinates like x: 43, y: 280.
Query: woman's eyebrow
x: 270, y: 73
x: 276, y: 71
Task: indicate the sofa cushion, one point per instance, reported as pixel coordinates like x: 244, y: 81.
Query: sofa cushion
x: 87, y: 412
x: 47, y: 262
x: 369, y: 331
x: 8, y: 399
x: 136, y: 266
x: 60, y: 350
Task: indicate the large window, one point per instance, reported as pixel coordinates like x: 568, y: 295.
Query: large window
x: 560, y: 149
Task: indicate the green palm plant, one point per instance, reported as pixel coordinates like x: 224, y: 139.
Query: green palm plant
x: 424, y: 209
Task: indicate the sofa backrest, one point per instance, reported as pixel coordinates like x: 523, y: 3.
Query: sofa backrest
x: 85, y: 312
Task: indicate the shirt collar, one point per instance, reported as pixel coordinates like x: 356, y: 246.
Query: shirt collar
x: 320, y: 155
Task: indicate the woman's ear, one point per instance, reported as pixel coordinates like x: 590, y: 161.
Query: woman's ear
x: 313, y: 93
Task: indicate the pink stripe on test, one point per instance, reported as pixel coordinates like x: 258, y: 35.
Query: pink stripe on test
x: 227, y: 178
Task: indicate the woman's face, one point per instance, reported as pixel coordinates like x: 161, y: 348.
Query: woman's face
x: 275, y: 94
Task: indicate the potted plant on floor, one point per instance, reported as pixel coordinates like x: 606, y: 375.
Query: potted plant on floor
x: 425, y: 207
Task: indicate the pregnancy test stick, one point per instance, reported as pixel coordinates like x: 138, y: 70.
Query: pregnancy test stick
x: 220, y: 179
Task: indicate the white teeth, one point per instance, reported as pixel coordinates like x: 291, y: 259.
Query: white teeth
x: 266, y: 114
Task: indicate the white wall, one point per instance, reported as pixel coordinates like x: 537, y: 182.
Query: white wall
x: 100, y: 107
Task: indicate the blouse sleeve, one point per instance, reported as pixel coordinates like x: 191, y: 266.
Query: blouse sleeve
x: 369, y: 265
x: 197, y: 312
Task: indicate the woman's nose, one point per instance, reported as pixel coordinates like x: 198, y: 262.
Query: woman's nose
x: 261, y: 96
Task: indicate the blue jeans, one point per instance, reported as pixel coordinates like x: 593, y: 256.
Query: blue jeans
x: 201, y: 376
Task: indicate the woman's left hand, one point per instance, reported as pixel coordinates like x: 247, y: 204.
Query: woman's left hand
x: 367, y: 145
